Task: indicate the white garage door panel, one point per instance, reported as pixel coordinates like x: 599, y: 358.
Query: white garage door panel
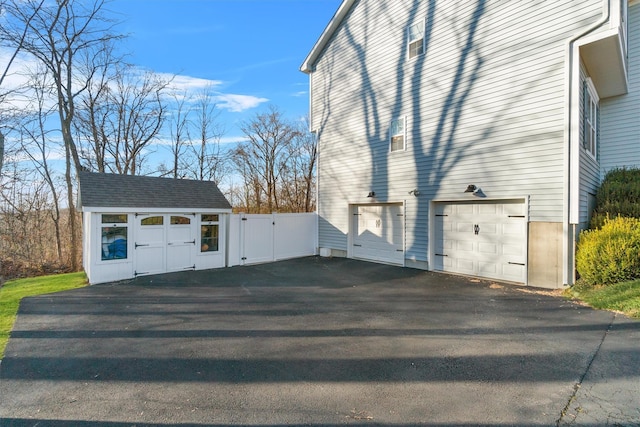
x: 378, y: 232
x: 497, y: 250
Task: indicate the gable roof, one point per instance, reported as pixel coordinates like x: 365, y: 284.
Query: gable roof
x: 310, y: 62
x: 132, y: 191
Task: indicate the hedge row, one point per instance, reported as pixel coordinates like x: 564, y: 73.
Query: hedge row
x: 618, y: 195
x: 609, y: 252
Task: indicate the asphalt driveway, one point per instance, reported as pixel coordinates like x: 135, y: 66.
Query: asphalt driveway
x: 317, y: 341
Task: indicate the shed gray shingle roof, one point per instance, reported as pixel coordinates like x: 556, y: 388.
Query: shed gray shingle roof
x: 131, y: 191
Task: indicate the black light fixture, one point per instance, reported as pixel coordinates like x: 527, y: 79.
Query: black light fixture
x: 415, y: 192
x: 371, y: 194
x: 471, y: 189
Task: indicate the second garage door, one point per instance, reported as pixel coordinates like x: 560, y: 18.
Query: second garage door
x: 481, y: 239
x: 378, y: 233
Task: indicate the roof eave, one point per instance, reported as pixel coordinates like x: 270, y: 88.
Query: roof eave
x: 309, y: 63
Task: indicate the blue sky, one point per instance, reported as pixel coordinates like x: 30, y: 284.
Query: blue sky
x: 250, y: 50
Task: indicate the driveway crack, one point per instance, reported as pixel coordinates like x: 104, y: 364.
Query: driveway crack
x: 578, y: 385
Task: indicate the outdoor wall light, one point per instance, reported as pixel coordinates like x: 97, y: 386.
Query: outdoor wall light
x: 471, y: 189
x: 415, y: 192
x: 371, y: 194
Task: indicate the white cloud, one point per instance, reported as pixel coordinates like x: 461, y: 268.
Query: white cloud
x: 182, y: 83
x: 235, y: 103
x: 164, y: 141
x: 233, y: 139
x: 238, y: 103
x: 299, y: 94
x: 16, y: 79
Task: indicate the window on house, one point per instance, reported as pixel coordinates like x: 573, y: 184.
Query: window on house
x: 209, y: 228
x: 114, y: 236
x: 397, y: 135
x: 590, y: 119
x: 415, y: 36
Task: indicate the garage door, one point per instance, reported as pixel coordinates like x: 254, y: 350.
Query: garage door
x: 378, y: 232
x: 481, y: 239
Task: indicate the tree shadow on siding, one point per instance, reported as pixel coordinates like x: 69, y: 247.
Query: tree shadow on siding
x: 432, y: 157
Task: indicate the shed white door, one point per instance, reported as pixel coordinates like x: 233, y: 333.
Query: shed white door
x: 378, y: 233
x: 181, y: 243
x: 481, y: 239
x: 150, y: 244
x: 164, y: 243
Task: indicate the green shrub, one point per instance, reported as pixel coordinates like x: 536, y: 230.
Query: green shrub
x: 610, y: 254
x: 618, y: 195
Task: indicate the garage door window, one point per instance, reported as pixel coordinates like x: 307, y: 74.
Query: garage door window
x: 209, y: 228
x: 114, y: 236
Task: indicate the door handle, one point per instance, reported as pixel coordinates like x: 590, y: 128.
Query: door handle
x: 476, y: 229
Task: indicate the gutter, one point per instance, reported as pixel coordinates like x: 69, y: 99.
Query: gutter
x: 572, y: 147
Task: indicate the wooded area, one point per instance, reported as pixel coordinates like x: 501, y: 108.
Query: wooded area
x: 83, y: 107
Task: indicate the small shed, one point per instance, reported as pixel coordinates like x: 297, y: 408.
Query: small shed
x: 138, y: 225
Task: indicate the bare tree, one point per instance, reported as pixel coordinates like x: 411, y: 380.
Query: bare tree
x: 210, y: 161
x: 95, y: 108
x: 263, y: 158
x: 58, y: 35
x: 120, y: 117
x: 179, y: 130
x: 298, y: 182
x: 36, y: 145
x: 1, y: 150
x: 27, y: 238
x: 17, y: 42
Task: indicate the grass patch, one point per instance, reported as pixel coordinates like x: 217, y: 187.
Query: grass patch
x: 14, y: 290
x: 623, y: 297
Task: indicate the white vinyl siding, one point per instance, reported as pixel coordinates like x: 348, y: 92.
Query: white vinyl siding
x: 485, y: 105
x: 619, y: 129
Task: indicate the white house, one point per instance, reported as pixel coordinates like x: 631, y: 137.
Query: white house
x: 470, y: 137
x: 137, y: 225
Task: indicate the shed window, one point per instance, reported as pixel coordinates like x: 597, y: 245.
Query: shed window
x: 114, y: 218
x: 415, y: 37
x: 209, y: 232
x: 397, y: 135
x: 114, y: 236
x: 152, y: 220
x: 180, y: 220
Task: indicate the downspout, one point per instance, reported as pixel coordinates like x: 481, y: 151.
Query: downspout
x: 572, y: 147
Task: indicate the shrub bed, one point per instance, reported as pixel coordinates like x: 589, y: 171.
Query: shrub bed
x: 610, y: 254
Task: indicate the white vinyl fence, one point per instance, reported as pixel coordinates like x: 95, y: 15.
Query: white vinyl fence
x: 257, y: 238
